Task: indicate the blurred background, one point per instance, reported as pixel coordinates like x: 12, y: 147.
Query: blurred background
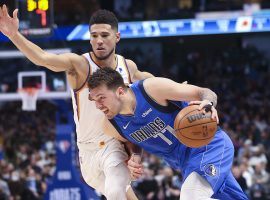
x: 219, y: 44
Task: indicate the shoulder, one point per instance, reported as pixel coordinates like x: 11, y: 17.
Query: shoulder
x: 133, y: 70
x: 132, y: 67
x: 78, y: 61
x: 73, y: 56
x: 131, y: 63
x: 148, y: 85
x: 157, y: 88
x: 153, y: 81
x: 79, y: 71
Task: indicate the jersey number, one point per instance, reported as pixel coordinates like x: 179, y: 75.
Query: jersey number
x: 163, y: 137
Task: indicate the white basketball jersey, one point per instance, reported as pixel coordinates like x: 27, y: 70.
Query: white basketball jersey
x: 87, y: 117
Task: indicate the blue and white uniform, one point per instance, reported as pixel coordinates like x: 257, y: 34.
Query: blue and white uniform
x: 151, y: 127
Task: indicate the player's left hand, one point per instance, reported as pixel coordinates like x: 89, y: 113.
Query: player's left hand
x: 207, y: 106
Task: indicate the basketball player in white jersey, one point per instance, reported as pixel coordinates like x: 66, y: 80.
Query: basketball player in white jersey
x: 102, y: 158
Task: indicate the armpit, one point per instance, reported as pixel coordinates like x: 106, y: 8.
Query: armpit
x: 72, y: 72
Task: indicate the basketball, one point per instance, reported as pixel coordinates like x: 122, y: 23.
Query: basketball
x: 193, y: 127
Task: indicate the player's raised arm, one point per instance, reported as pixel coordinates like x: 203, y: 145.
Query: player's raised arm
x: 135, y: 73
x: 9, y: 26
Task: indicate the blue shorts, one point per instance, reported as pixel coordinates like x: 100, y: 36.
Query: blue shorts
x: 213, y: 162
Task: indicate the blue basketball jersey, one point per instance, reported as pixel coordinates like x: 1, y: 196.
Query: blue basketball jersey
x: 151, y: 128
x: 150, y: 125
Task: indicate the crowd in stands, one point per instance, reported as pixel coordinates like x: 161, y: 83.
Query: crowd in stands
x: 127, y: 10
x: 240, y: 77
x: 27, y: 152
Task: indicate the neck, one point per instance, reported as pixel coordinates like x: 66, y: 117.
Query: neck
x: 108, y: 62
x: 128, y: 103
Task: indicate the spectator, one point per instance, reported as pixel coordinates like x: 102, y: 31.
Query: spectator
x: 147, y: 186
x: 4, y: 189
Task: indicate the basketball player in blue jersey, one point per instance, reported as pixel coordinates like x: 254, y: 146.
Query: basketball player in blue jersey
x: 102, y: 158
x: 144, y: 114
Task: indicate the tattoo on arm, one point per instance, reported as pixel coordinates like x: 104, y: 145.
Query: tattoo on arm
x: 207, y: 94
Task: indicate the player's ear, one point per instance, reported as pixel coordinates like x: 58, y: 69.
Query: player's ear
x: 117, y: 37
x: 121, y: 90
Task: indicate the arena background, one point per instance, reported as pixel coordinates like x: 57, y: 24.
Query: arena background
x: 220, y: 44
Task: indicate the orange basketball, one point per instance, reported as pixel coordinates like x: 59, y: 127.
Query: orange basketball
x: 193, y: 128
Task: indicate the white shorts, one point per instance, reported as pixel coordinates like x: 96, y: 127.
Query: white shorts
x: 94, y: 163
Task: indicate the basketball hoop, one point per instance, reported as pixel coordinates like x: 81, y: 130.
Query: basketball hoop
x: 29, y: 97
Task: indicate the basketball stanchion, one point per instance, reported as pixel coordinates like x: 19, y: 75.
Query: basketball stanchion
x: 29, y: 97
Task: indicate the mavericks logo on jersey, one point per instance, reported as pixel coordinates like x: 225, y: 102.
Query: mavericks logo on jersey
x: 148, y: 131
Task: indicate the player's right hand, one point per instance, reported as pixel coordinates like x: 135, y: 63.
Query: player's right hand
x: 207, y: 105
x: 135, y: 167
x: 9, y: 26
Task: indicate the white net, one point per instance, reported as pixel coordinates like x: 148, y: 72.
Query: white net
x: 29, y: 98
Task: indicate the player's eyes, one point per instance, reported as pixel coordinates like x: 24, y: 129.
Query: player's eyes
x: 101, y: 99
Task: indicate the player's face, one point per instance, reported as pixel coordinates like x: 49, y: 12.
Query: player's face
x: 106, y: 100
x: 103, y: 40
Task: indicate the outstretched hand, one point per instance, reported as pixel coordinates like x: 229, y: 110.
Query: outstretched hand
x: 8, y: 25
x: 208, y: 107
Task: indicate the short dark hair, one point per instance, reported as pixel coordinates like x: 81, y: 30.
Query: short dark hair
x: 107, y: 76
x: 104, y: 17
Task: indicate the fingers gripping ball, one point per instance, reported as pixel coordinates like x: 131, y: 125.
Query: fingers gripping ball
x: 193, y: 127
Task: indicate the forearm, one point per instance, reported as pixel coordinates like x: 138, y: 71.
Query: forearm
x: 207, y: 94
x: 37, y: 55
x: 29, y: 49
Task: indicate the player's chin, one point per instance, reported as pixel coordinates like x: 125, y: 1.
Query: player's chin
x: 109, y: 115
x: 101, y: 55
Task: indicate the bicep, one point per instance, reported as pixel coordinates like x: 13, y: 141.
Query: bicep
x: 61, y: 62
x: 165, y: 89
